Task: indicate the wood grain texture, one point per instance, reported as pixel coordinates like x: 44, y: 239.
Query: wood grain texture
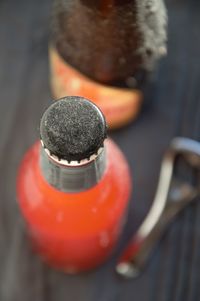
x: 172, y: 107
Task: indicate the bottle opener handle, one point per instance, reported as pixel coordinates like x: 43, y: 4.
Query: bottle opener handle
x: 171, y: 197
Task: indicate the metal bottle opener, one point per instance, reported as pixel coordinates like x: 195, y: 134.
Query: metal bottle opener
x: 172, y: 195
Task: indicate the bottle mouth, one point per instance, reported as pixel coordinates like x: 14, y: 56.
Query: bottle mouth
x: 72, y: 163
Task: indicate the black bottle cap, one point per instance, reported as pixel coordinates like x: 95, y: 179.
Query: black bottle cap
x: 73, y: 128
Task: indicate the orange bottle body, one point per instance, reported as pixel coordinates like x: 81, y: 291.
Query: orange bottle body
x: 119, y: 105
x: 74, y: 231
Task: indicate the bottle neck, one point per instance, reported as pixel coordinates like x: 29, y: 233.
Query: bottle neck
x: 98, y: 48
x: 105, y: 6
x: 72, y: 177
x: 116, y: 42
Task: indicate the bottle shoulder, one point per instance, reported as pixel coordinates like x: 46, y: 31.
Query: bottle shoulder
x: 101, y: 204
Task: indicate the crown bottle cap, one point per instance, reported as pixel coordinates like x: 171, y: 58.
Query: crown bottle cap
x: 73, y: 128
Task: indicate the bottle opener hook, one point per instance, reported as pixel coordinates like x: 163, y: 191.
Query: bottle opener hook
x: 172, y: 195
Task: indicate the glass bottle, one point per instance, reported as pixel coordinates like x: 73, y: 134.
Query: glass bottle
x: 104, y: 50
x: 73, y: 187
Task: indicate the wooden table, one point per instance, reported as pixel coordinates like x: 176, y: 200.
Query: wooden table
x: 172, y: 107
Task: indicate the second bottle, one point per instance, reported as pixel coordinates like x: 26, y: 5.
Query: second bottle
x: 104, y: 50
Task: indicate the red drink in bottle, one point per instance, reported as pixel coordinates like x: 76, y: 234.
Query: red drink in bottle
x: 73, y: 188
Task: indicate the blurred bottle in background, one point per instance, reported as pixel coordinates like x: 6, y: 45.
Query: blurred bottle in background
x: 104, y: 50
